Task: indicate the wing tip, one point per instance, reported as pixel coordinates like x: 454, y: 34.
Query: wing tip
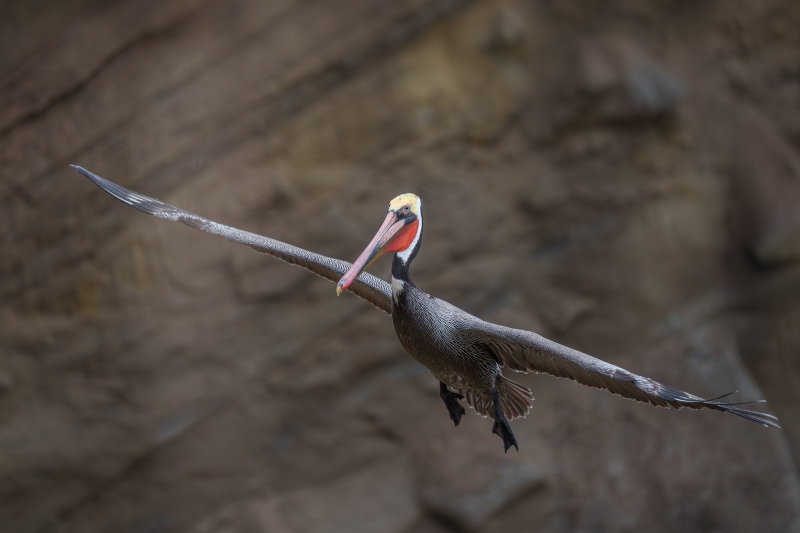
x: 143, y: 203
x: 678, y: 398
x: 763, y: 419
x: 100, y: 182
x: 89, y: 174
x: 80, y: 170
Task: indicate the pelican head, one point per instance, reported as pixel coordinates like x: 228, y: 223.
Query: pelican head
x: 400, y: 233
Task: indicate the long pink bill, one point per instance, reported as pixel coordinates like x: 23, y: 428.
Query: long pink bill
x: 374, y: 250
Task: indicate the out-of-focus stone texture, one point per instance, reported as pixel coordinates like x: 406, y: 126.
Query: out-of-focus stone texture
x: 614, y: 175
x: 767, y: 171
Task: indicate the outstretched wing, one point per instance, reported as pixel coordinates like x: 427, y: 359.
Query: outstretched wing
x: 525, y: 351
x: 372, y: 289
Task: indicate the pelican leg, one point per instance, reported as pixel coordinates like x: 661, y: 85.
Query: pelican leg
x: 450, y: 400
x: 501, y: 426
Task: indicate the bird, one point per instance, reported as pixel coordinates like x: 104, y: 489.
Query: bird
x: 465, y: 354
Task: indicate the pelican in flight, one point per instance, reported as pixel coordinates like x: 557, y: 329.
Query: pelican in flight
x: 466, y: 354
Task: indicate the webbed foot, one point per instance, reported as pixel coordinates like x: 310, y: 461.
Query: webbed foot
x: 502, y: 428
x: 450, y: 400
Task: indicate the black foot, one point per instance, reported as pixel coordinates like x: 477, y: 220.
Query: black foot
x: 502, y: 428
x: 450, y: 400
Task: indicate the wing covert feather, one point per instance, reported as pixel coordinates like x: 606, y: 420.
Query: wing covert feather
x: 525, y: 351
x: 372, y: 289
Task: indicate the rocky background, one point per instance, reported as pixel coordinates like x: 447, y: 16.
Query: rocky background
x: 623, y: 177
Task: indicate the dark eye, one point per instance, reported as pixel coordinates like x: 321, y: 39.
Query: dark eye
x: 406, y: 209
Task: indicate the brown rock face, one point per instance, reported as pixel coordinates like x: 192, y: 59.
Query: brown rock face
x: 619, y: 176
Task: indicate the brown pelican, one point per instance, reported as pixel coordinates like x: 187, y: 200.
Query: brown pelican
x: 466, y: 354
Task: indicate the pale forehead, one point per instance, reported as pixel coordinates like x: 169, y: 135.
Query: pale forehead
x: 404, y: 199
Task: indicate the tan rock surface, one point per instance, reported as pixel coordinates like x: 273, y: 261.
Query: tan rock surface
x: 578, y: 163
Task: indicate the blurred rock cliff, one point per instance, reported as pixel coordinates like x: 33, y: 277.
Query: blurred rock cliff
x: 623, y: 177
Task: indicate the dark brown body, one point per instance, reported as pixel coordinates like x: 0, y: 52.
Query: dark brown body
x: 428, y: 329
x: 438, y: 335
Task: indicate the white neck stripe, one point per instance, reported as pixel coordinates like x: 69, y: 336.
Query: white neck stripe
x: 406, y: 254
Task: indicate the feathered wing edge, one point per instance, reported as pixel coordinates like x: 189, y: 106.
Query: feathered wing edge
x: 372, y: 289
x: 516, y: 400
x: 525, y: 351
